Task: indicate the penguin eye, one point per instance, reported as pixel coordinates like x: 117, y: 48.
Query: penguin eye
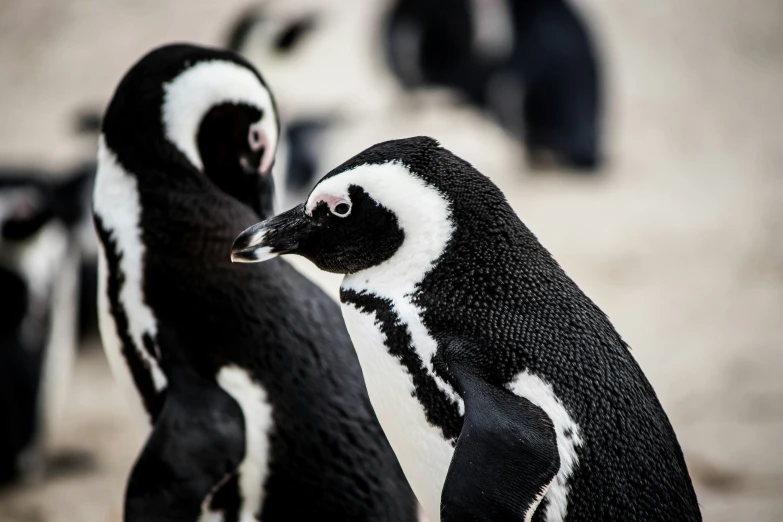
x: 342, y: 209
x: 339, y: 206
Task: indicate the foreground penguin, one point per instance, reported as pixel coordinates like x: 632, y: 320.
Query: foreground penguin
x: 531, y: 64
x: 254, y: 393
x: 505, y: 392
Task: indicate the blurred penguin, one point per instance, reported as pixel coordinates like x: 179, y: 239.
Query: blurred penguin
x: 40, y: 254
x: 532, y: 65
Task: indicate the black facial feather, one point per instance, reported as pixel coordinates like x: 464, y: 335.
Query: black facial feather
x: 228, y: 159
x: 368, y: 236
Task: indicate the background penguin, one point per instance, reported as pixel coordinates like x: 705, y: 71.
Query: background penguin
x: 532, y: 65
x: 255, y: 395
x: 67, y: 196
x: 505, y: 392
x: 40, y: 253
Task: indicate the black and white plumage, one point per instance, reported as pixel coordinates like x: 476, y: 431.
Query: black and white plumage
x: 255, y: 396
x: 505, y: 392
x: 532, y: 65
x: 40, y: 255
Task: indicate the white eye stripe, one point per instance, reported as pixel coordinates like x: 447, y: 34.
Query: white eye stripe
x: 189, y: 96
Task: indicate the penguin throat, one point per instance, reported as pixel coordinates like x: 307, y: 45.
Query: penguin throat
x: 406, y: 339
x: 194, y: 225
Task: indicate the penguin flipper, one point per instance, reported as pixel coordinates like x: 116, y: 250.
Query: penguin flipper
x: 506, y: 455
x: 196, y: 444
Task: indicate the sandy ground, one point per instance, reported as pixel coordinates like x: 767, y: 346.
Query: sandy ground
x: 680, y: 241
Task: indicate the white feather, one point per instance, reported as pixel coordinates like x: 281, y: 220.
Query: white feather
x: 420, y: 447
x: 189, y: 97
x: 116, y: 203
x: 257, y: 411
x: 540, y: 393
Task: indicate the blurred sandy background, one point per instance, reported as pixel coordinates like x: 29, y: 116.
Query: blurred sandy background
x: 680, y: 241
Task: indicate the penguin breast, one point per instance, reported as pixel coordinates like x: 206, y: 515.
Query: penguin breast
x: 422, y: 450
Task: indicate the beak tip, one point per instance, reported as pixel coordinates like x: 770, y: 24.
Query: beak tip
x: 248, y: 246
x: 252, y: 255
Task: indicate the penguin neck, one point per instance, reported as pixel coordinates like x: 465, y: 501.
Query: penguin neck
x: 420, y: 252
x: 199, y: 224
x: 186, y: 215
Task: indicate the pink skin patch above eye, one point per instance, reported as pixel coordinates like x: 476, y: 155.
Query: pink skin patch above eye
x: 258, y: 139
x: 330, y: 200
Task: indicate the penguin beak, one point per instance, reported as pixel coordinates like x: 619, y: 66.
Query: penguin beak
x: 281, y: 234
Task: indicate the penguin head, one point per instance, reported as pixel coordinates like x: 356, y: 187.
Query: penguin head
x: 185, y: 114
x: 391, y: 205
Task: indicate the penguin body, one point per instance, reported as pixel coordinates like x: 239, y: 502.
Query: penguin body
x: 505, y: 392
x: 248, y: 379
x: 531, y: 65
x: 39, y: 272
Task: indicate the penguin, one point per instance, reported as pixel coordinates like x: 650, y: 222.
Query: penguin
x: 39, y: 304
x: 247, y: 378
x: 505, y: 392
x: 531, y: 65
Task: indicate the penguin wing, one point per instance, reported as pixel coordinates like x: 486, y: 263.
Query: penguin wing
x: 197, y: 442
x: 506, y: 454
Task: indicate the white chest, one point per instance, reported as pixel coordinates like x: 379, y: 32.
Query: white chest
x: 116, y: 203
x: 421, y: 449
x: 257, y: 411
x: 423, y: 452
